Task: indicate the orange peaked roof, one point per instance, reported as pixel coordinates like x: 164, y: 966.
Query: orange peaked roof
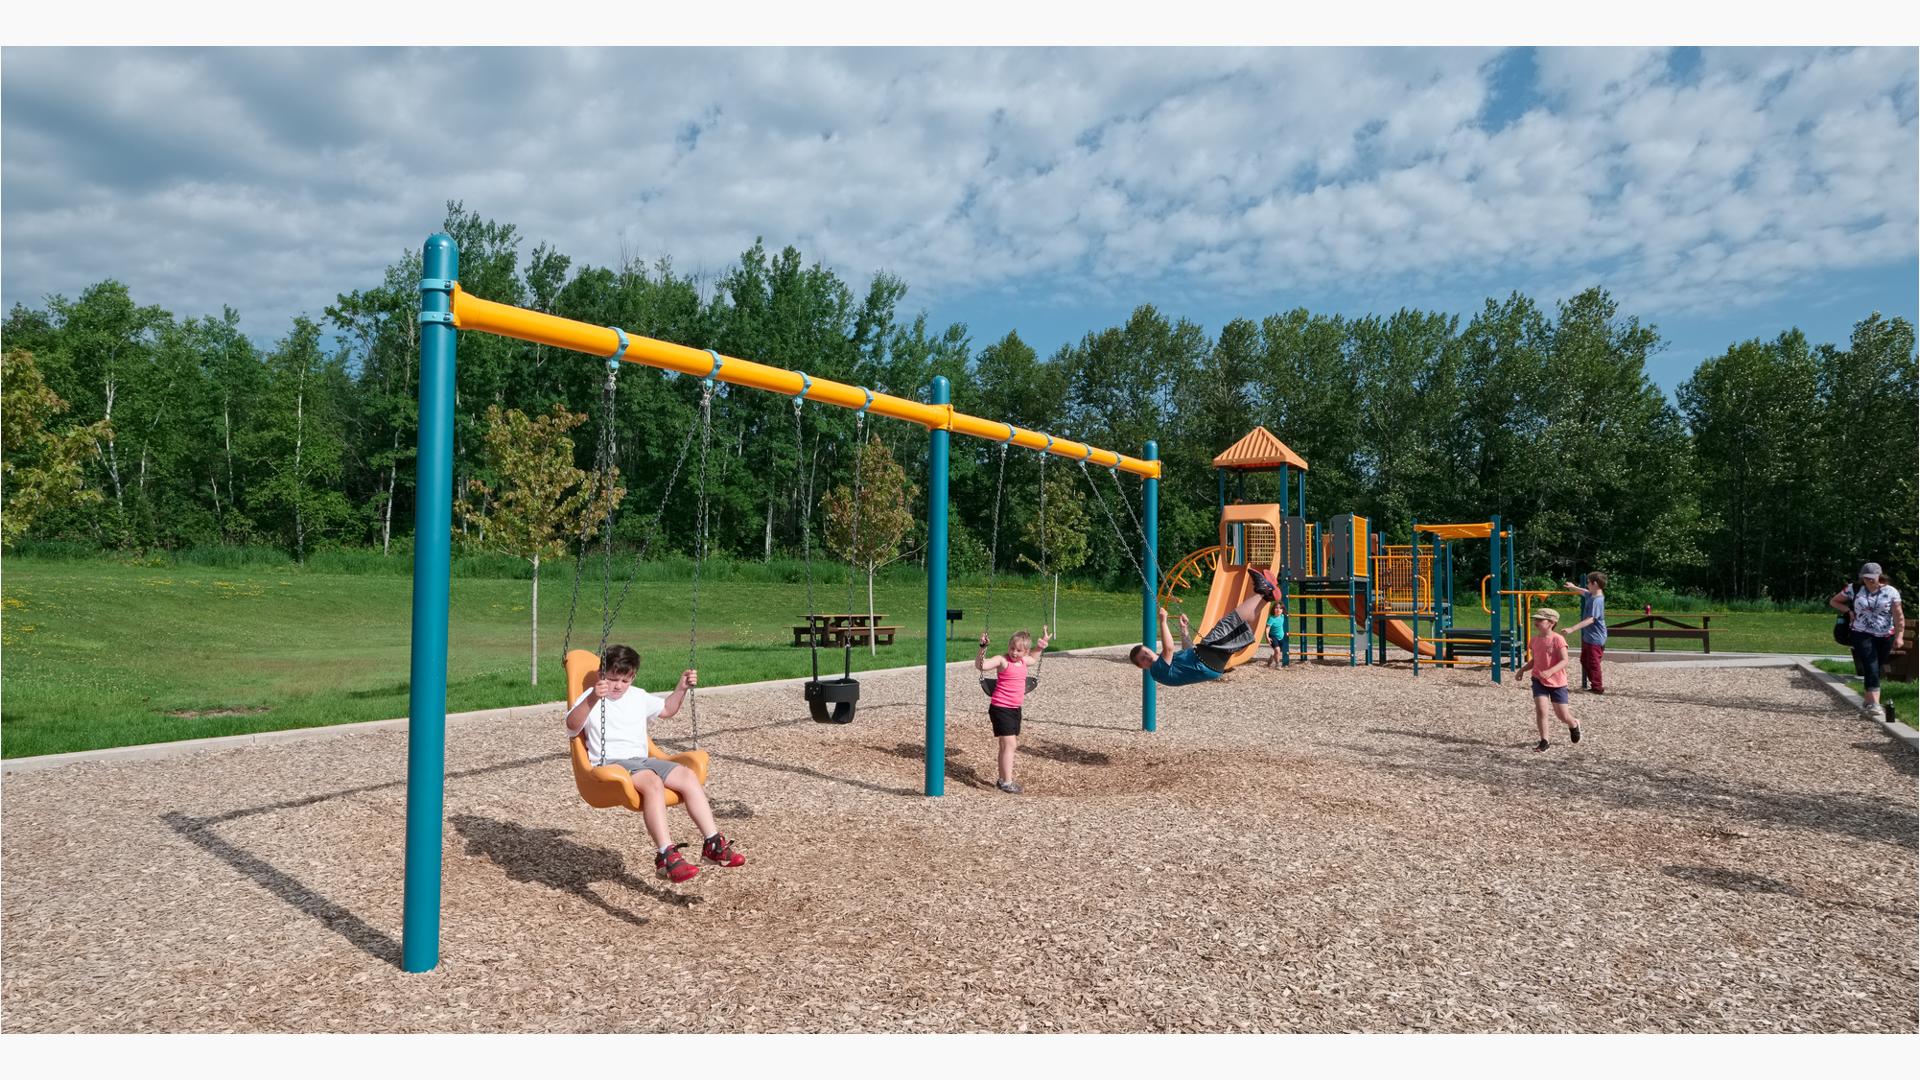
x: 1258, y: 449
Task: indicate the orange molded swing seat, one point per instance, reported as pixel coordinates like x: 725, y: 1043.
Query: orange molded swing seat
x: 607, y: 786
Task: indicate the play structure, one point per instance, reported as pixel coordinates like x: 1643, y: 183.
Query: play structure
x: 447, y: 309
x: 1341, y: 585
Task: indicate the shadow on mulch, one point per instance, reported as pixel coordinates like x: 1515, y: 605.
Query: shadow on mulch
x: 1450, y: 740
x: 327, y: 796
x: 1740, y: 881
x: 955, y: 771
x: 1064, y: 753
x: 296, y: 893
x: 1639, y: 787
x: 816, y: 774
x: 544, y: 857
x: 1898, y: 755
x: 1134, y: 726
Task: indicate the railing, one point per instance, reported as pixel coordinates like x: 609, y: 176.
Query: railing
x: 1655, y: 628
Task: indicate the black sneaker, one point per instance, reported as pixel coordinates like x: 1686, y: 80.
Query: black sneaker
x: 1576, y: 733
x: 1263, y: 584
x: 1542, y: 748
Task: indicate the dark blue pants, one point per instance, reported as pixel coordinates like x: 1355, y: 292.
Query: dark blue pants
x: 1870, y: 655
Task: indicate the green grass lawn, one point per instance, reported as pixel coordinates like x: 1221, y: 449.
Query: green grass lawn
x: 1904, y: 697
x: 101, y: 654
x: 1745, y: 631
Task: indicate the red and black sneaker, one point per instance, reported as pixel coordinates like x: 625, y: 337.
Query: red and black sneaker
x: 1262, y: 584
x: 671, y: 864
x: 719, y: 851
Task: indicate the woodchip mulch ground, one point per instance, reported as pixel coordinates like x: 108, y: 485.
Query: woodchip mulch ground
x: 1313, y: 849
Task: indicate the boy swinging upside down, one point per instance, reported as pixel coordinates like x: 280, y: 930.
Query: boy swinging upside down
x: 1206, y: 659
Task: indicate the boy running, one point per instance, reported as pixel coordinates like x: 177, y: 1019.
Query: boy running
x: 1547, y: 656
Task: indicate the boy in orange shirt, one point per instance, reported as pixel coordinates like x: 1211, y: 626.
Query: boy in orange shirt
x: 1547, y: 656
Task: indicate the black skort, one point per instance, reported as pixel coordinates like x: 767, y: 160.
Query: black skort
x: 1006, y: 719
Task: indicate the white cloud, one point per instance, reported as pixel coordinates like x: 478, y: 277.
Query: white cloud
x: 273, y: 179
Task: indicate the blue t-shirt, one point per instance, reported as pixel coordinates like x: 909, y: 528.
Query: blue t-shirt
x: 1186, y: 668
x: 1277, y: 624
x: 1594, y: 605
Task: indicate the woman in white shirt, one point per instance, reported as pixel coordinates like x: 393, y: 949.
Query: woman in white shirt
x: 1879, y: 626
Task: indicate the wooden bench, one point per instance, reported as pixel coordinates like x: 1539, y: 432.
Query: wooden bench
x: 1656, y: 627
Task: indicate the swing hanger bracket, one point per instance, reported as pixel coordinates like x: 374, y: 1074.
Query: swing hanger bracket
x: 718, y: 363
x: 613, y: 362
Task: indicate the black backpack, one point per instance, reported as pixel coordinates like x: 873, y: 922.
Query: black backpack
x: 1842, y: 629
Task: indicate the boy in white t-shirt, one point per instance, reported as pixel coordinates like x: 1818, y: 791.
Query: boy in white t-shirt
x: 615, y: 717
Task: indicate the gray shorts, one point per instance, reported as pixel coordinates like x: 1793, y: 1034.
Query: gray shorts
x: 1228, y: 636
x: 658, y: 766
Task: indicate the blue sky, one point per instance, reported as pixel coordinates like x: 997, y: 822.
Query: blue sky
x: 1721, y: 194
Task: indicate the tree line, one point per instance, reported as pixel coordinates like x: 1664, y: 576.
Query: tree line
x: 1780, y: 466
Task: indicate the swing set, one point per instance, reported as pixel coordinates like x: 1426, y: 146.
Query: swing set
x: 447, y: 309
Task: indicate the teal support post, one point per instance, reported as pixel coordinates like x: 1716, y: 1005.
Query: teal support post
x: 1220, y: 497
x: 1518, y: 632
x: 432, y: 552
x: 1499, y: 558
x: 1150, y: 587
x: 937, y: 453
x: 1303, y: 493
x: 1414, y: 548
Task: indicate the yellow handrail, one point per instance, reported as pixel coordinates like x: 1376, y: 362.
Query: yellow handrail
x: 472, y: 313
x: 1177, y: 578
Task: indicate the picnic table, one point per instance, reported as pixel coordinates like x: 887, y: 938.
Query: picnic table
x: 834, y: 629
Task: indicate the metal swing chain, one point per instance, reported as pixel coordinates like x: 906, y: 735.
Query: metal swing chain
x: 603, y: 477
x: 1045, y: 615
x: 806, y: 512
x: 859, y: 480
x: 993, y: 556
x: 699, y: 553
x: 646, y: 543
x: 1121, y: 493
x: 1114, y: 522
x: 602, y: 474
x: 659, y: 516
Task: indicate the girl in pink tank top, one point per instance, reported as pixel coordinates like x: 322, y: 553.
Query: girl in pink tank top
x: 1010, y: 672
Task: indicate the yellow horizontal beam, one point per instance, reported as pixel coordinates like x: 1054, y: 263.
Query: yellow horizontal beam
x: 1479, y: 530
x: 472, y: 313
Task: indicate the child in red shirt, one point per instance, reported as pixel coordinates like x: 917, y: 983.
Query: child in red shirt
x: 1547, y: 656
